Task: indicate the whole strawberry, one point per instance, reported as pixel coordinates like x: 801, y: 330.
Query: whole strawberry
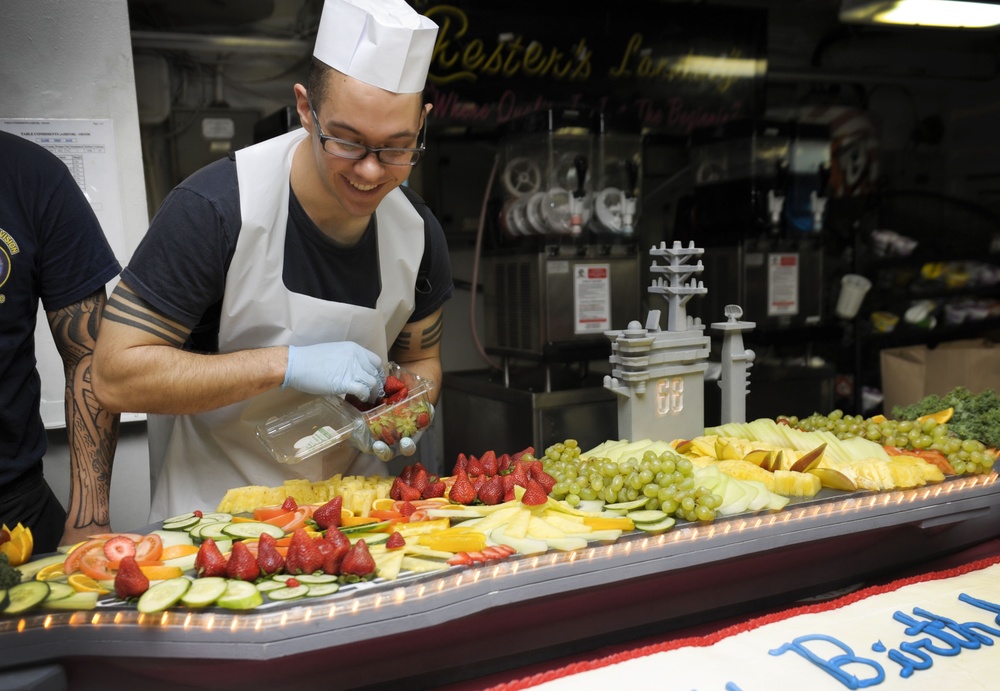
x: 462, y: 492
x: 269, y: 559
x: 395, y: 541
x: 303, y: 555
x: 130, y: 581
x: 534, y: 494
x: 492, y: 491
x: 242, y: 563
x: 209, y: 560
x: 358, y: 561
x: 328, y: 515
x: 489, y: 462
x: 433, y: 489
x: 333, y: 548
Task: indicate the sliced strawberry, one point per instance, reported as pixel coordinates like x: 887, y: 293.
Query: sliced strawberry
x: 117, y: 548
x: 491, y: 552
x: 329, y: 515
x: 395, y: 541
x: 130, y: 581
x: 407, y: 509
x: 209, y: 561
x: 358, y: 560
x: 303, y: 555
x: 269, y: 559
x: 292, y: 582
x: 242, y: 563
x: 460, y: 559
x: 289, y: 504
x: 423, y: 420
x: 534, y: 494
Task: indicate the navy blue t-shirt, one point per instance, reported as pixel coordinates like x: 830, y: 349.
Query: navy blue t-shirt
x: 181, y: 263
x: 52, y: 249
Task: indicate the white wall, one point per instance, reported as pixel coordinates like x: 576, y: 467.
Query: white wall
x: 74, y: 60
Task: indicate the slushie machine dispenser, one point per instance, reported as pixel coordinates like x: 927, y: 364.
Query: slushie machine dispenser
x: 566, y: 268
x: 759, y: 205
x: 559, y: 270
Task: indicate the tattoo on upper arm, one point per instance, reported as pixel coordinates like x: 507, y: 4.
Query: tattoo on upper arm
x: 431, y: 336
x: 125, y: 307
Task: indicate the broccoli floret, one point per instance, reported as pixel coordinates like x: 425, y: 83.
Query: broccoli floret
x: 9, y: 576
x: 976, y: 416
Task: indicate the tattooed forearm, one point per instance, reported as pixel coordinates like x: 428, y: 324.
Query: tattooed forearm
x: 125, y: 307
x: 92, y: 432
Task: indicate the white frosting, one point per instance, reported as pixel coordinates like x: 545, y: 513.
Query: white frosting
x: 877, y: 632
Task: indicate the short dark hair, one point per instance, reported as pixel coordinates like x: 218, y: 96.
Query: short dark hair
x: 318, y: 73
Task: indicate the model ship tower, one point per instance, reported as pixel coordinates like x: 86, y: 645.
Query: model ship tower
x: 659, y: 375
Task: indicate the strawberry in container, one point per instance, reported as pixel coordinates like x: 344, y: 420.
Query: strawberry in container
x: 393, y: 424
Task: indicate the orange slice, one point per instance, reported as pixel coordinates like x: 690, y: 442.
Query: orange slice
x: 83, y: 583
x: 941, y: 416
x: 52, y: 572
x: 161, y: 572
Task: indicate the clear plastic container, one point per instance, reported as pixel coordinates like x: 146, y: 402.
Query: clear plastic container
x: 387, y: 429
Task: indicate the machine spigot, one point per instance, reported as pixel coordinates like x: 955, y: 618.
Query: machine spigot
x: 576, y: 200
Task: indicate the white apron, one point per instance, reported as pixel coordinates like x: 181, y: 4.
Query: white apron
x: 197, y: 458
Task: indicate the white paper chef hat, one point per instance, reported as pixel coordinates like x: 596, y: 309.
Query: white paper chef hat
x: 385, y: 43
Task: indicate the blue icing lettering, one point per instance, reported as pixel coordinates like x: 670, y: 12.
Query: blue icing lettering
x: 834, y: 666
x: 983, y: 604
x: 909, y: 665
x: 878, y: 647
x: 730, y: 686
x: 936, y: 627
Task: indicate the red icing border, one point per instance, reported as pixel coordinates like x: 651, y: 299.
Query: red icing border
x: 749, y: 625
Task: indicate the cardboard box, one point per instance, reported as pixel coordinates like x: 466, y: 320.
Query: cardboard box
x: 913, y: 372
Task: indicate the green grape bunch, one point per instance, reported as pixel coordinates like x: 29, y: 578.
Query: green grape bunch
x: 666, y: 481
x: 966, y: 456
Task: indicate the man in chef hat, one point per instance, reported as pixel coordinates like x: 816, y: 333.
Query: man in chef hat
x: 296, y: 269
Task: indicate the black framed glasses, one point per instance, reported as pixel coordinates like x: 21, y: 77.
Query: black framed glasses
x: 390, y: 156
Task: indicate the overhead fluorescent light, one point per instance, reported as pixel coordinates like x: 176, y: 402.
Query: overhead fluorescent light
x: 942, y: 13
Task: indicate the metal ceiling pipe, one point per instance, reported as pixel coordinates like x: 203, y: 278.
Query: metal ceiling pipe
x: 203, y: 43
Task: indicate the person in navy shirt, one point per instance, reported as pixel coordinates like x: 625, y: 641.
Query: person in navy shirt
x: 53, y: 251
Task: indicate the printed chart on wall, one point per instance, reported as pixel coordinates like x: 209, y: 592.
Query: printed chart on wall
x: 87, y: 147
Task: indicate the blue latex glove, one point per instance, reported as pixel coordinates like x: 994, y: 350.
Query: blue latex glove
x: 329, y: 369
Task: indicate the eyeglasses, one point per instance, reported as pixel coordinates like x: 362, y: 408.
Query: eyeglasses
x: 354, y: 151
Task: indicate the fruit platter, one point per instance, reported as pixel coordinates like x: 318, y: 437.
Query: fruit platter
x: 745, y: 514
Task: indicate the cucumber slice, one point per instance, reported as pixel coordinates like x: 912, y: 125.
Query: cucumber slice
x: 58, y: 591
x: 321, y: 589
x: 252, y: 529
x: 628, y: 505
x: 26, y: 595
x: 216, y: 531
x: 180, y: 517
x: 369, y: 538
x: 365, y: 528
x: 240, y: 594
x: 658, y: 527
x: 288, y: 593
x: 651, y: 516
x: 315, y: 578
x: 195, y: 530
x: 204, y: 591
x: 220, y: 516
x: 265, y: 586
x: 163, y: 595
x: 75, y: 602
x: 183, y: 524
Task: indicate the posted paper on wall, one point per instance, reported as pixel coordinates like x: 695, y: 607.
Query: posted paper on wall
x: 592, y: 298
